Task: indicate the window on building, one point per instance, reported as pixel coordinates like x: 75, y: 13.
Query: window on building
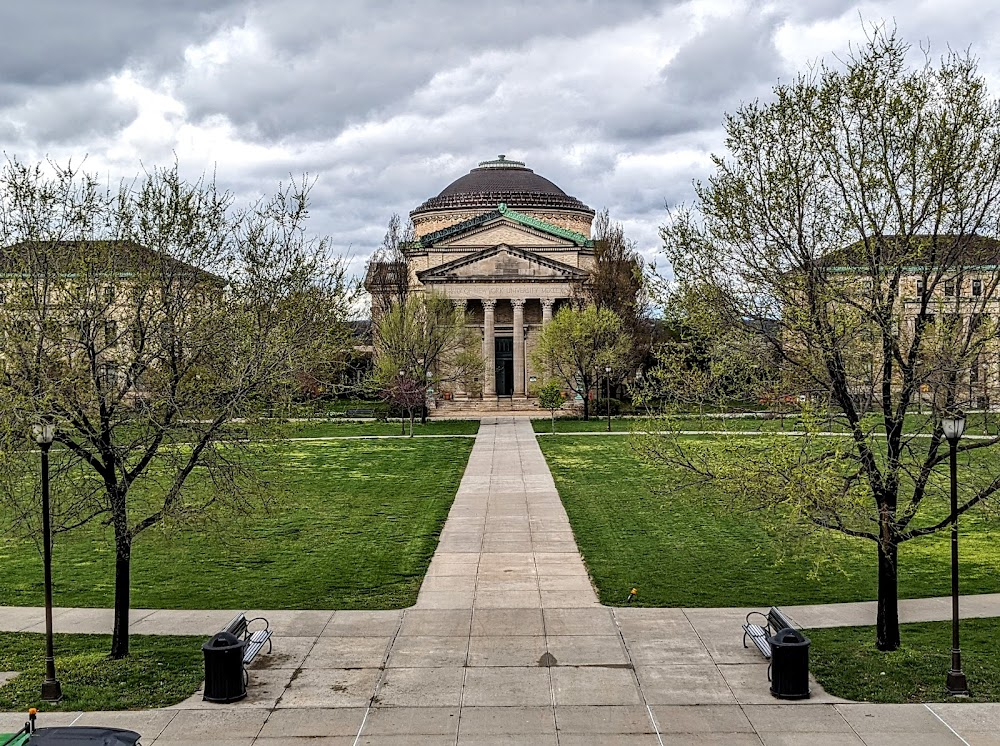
x: 949, y: 288
x: 920, y: 288
x: 109, y: 375
x: 110, y: 333
x: 974, y: 373
x: 977, y: 287
x: 109, y: 293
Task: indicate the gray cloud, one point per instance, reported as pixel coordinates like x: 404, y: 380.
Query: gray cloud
x: 67, y: 114
x: 53, y: 42
x: 314, y: 67
x: 620, y: 103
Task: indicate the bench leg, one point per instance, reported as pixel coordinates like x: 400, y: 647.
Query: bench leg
x: 744, y: 639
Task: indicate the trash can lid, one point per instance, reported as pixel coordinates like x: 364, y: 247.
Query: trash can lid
x: 83, y: 736
x: 787, y: 637
x: 223, y: 640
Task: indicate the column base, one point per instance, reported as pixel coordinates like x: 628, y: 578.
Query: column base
x: 51, y: 691
x: 956, y: 685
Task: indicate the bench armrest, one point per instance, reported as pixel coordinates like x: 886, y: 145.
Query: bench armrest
x: 267, y: 625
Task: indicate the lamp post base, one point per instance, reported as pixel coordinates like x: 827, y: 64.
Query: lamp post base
x: 51, y: 691
x: 956, y: 684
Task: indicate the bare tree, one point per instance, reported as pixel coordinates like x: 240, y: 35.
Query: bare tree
x: 421, y: 344
x: 620, y: 283
x: 387, y: 278
x: 849, y: 215
x: 141, y: 321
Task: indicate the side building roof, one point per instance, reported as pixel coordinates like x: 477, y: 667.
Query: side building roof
x: 918, y: 252
x: 123, y: 257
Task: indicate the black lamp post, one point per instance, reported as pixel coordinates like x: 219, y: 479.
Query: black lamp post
x: 402, y: 398
x: 953, y: 424
x: 51, y: 688
x: 607, y: 378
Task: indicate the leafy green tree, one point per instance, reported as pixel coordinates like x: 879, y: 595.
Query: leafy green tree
x: 141, y: 322
x: 620, y: 281
x: 704, y: 360
x: 578, y: 344
x: 845, y: 231
x: 421, y: 343
x: 551, y: 397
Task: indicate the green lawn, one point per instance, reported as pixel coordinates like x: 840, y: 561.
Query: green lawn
x: 353, y: 526
x: 846, y: 663
x: 335, y: 428
x: 161, y: 671
x: 977, y: 423
x: 637, y: 527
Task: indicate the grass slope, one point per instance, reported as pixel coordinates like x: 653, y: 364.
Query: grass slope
x: 161, y: 671
x: 353, y: 527
x: 846, y: 663
x: 636, y: 528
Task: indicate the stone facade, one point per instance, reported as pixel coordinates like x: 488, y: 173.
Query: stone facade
x: 508, y: 247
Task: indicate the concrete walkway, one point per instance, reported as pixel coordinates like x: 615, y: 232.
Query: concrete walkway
x: 507, y: 644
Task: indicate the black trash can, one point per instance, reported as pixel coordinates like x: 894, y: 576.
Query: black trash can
x: 224, y: 680
x: 789, y: 664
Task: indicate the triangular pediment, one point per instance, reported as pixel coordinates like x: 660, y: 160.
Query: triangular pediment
x: 506, y: 231
x: 502, y: 263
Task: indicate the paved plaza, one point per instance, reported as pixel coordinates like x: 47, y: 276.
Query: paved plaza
x: 507, y: 643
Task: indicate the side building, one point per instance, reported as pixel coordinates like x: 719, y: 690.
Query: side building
x: 508, y: 247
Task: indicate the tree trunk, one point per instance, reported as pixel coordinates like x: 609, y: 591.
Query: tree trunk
x: 123, y: 562
x: 586, y: 405
x: 887, y: 619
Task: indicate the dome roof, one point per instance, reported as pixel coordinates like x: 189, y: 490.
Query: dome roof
x: 502, y: 181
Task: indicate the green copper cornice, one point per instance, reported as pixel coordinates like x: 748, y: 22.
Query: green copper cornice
x: 578, y: 238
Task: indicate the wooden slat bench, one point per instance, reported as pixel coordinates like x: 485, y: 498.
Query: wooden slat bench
x: 240, y: 627
x: 774, y: 620
x: 359, y: 413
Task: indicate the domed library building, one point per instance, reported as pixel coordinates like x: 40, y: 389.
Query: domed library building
x: 508, y: 247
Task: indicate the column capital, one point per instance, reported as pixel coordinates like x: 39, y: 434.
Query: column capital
x: 459, y: 303
x: 517, y: 302
x: 548, y: 303
x: 489, y: 303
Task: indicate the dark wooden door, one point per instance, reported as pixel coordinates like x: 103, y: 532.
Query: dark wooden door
x: 505, y: 366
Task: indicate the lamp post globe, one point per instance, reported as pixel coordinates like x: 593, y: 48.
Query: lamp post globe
x: 45, y: 433
x: 953, y: 426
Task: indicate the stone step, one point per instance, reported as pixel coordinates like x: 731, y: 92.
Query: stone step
x: 486, y: 407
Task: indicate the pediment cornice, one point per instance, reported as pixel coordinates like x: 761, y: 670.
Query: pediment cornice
x: 483, y: 266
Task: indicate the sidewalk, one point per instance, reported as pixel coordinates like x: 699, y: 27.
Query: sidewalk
x: 507, y: 644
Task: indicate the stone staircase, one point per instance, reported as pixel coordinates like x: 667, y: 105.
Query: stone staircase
x: 485, y: 407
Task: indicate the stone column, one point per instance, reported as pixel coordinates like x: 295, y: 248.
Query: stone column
x: 547, y: 304
x: 518, y: 304
x: 459, y: 303
x: 490, y: 351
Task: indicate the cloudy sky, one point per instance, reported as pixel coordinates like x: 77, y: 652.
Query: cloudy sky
x: 619, y: 102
